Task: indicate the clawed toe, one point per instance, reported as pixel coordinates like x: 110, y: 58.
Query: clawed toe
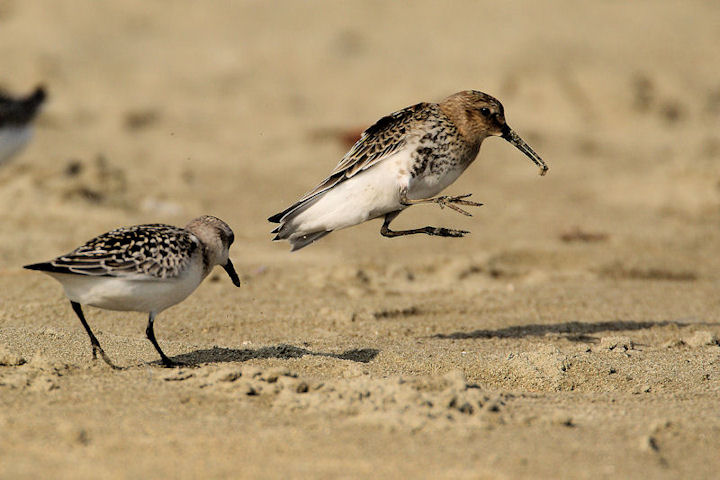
x: 104, y: 357
x: 453, y: 202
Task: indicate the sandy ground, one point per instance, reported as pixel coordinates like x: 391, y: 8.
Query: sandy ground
x: 574, y: 334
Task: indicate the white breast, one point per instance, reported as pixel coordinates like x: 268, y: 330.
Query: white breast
x: 427, y: 186
x: 137, y: 293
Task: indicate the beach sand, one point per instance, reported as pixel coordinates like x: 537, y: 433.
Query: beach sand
x: 573, y: 334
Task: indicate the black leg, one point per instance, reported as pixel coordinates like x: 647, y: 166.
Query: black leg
x: 150, y: 332
x: 434, y: 231
x: 93, y: 340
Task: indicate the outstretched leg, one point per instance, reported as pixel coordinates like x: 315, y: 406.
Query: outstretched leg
x: 435, y: 231
x: 443, y: 201
x: 150, y: 332
x: 93, y: 340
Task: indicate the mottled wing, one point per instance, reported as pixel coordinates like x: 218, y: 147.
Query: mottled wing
x: 156, y: 250
x: 385, y: 137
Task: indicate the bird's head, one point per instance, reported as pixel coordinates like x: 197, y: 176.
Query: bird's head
x: 216, y: 236
x: 478, y: 115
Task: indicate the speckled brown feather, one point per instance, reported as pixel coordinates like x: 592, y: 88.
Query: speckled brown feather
x: 438, y: 142
x: 157, y: 250
x: 382, y: 139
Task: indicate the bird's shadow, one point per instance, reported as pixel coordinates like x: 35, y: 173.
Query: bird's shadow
x: 222, y: 355
x: 573, y: 331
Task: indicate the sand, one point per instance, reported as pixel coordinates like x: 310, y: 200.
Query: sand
x: 573, y: 334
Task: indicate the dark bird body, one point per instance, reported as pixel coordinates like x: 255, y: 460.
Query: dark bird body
x: 16, y: 116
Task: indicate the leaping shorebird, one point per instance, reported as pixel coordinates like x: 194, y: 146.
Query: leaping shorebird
x: 404, y: 159
x: 144, y: 268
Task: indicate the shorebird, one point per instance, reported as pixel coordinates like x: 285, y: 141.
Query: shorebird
x: 144, y: 268
x: 404, y: 159
x: 16, y: 116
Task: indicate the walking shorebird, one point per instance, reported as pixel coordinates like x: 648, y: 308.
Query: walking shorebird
x: 404, y: 159
x: 144, y: 268
x: 16, y: 116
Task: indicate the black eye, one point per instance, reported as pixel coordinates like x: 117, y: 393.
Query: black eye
x: 231, y: 239
x: 485, y: 111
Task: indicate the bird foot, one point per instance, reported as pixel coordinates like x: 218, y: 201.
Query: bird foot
x: 452, y: 202
x: 98, y: 349
x: 167, y: 363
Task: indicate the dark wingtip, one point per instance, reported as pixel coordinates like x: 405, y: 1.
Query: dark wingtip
x: 43, y: 267
x: 39, y: 95
x: 276, y: 218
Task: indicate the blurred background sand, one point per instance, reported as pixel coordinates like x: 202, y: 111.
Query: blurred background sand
x: 572, y: 335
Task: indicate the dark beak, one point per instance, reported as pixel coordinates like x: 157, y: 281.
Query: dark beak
x: 512, y: 137
x: 231, y: 272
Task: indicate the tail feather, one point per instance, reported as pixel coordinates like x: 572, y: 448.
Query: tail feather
x: 287, y: 230
x: 277, y: 218
x: 45, y: 267
x: 294, y: 210
x: 305, y: 240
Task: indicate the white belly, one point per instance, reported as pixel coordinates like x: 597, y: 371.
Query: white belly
x: 139, y: 294
x: 428, y: 186
x: 12, y: 140
x: 369, y: 194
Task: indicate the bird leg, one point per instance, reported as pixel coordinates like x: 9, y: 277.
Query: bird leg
x: 443, y: 201
x: 150, y: 332
x: 93, y: 340
x: 434, y: 231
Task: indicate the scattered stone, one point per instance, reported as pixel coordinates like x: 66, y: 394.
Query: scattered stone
x: 402, y: 402
x: 648, y: 443
x: 177, y: 376
x: 642, y: 389
x: 43, y: 383
x: 225, y: 375
x: 617, y: 343
x: 561, y: 419
x: 15, y: 380
x: 246, y: 387
x: 397, y: 313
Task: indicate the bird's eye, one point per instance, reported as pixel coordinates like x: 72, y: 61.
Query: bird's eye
x: 485, y: 111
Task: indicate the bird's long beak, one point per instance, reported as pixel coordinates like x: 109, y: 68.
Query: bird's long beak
x: 512, y: 137
x: 232, y: 273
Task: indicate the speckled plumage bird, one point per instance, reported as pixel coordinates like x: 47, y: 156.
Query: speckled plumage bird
x: 143, y: 268
x: 404, y: 159
x: 16, y: 116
